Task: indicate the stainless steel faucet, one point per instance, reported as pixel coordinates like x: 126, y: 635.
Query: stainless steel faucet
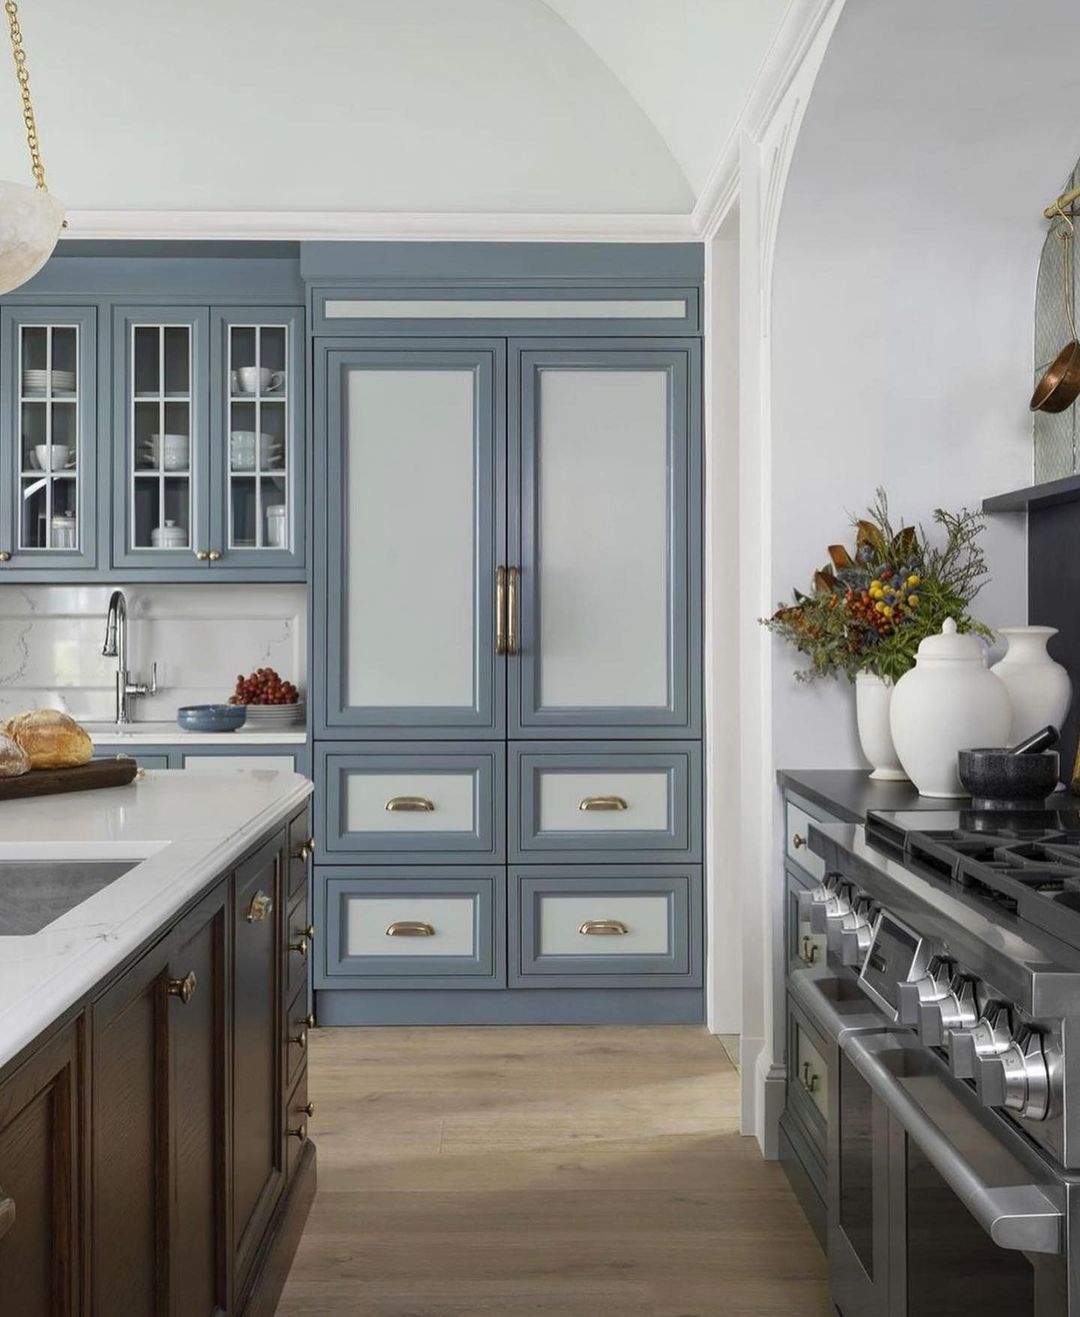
x: 115, y: 646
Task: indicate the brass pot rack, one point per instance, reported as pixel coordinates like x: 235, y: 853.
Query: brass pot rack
x: 1056, y: 209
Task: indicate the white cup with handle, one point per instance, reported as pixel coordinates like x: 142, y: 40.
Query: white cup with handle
x: 258, y: 379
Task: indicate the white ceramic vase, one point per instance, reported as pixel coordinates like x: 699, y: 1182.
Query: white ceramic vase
x: 873, y: 697
x: 949, y: 701
x: 1039, y: 688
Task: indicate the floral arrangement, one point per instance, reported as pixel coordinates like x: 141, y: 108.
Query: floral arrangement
x: 870, y: 609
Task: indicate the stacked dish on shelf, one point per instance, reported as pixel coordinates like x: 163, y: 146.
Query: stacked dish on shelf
x: 168, y: 452
x: 39, y: 381
x: 242, y: 454
x: 272, y: 717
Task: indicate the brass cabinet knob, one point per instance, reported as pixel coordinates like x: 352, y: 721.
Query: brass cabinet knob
x: 7, y: 1212
x: 202, y: 555
x: 261, y: 905
x: 184, y: 988
x: 299, y: 1133
x: 302, y: 852
x: 308, y: 1109
x: 310, y: 843
x: 5, y: 555
x: 309, y: 932
x: 301, y: 1039
x: 310, y: 1021
x: 798, y: 842
x: 301, y: 947
x: 214, y: 555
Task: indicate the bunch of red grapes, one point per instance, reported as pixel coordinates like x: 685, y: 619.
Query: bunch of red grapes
x: 264, y: 686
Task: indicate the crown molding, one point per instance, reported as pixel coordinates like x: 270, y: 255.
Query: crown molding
x: 345, y: 226
x: 780, y: 68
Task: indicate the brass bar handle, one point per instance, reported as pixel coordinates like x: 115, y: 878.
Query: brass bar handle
x: 809, y: 950
x: 261, y: 906
x: 500, y: 610
x: 810, y: 1081
x: 603, y: 928
x: 7, y: 1214
x: 300, y: 1040
x: 409, y: 805
x: 184, y: 988
x: 513, y: 639
x: 591, y: 803
x: 410, y: 928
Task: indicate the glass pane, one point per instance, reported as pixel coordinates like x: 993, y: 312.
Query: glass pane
x: 272, y: 418
x: 275, y: 529
x: 34, y: 434
x: 857, y: 1163
x: 147, y: 360
x: 65, y: 431
x: 177, y: 360
x: 411, y: 437
x: 244, y: 512
x: 65, y: 359
x: 35, y: 358
x: 952, y: 1264
x: 34, y: 521
x: 603, y: 480
x: 161, y: 512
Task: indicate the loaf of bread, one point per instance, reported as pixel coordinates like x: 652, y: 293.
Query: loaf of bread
x: 14, y: 761
x: 51, y: 739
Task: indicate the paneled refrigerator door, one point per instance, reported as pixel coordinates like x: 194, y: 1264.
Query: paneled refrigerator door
x: 605, y: 451
x: 411, y: 492
x: 48, y: 435
x: 161, y: 411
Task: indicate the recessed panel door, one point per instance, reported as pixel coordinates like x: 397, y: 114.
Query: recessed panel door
x: 603, y: 623
x: 412, y: 530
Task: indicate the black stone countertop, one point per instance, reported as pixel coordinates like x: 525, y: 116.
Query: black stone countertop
x: 848, y: 793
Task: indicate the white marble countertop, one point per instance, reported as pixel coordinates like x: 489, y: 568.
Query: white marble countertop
x: 167, y: 733
x: 184, y: 828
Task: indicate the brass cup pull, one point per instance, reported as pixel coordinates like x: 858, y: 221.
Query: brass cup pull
x: 300, y: 1132
x: 301, y: 947
x: 309, y: 1021
x: 214, y: 555
x: 300, y: 1040
x: 261, y: 906
x: 410, y: 928
x: 409, y: 805
x: 798, y: 842
x: 184, y: 988
x: 202, y: 555
x: 591, y: 803
x: 308, y: 1109
x: 603, y: 928
x: 7, y: 1214
x: 500, y: 610
x: 513, y: 640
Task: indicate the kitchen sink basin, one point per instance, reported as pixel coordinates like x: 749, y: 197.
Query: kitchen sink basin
x: 35, y: 892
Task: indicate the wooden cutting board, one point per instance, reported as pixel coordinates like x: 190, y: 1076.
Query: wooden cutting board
x: 52, y: 781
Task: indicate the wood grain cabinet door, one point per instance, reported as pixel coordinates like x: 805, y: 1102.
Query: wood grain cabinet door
x: 40, y: 1160
x: 257, y: 1148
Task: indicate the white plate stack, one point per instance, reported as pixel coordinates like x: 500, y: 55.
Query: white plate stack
x: 272, y: 717
x: 38, y: 381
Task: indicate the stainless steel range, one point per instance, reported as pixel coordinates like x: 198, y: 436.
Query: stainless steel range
x: 951, y: 995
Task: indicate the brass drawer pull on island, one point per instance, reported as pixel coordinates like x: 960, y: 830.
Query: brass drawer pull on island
x: 308, y: 1109
x: 299, y: 1133
x: 603, y: 928
x: 410, y: 928
x: 300, y: 1040
x: 261, y: 906
x: 301, y: 947
x: 500, y: 610
x: 184, y: 988
x: 409, y: 805
x: 602, y: 802
x: 7, y: 1214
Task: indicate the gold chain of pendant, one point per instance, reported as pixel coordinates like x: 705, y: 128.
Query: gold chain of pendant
x: 22, y: 73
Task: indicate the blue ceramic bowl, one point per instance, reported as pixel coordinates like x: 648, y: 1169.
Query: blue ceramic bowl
x: 211, y: 717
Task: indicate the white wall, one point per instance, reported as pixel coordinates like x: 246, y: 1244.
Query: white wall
x: 201, y: 636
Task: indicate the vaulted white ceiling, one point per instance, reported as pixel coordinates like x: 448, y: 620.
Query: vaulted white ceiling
x: 531, y: 106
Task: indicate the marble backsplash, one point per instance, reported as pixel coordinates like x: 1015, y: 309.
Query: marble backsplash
x: 201, y: 636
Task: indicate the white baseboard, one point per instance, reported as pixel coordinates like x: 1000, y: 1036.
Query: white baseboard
x: 770, y: 1088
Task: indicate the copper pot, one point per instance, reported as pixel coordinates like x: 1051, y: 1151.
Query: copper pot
x: 1060, y: 384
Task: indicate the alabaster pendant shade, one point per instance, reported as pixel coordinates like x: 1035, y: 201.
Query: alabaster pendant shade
x: 30, y: 223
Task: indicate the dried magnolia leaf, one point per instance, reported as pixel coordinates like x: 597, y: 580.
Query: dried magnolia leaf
x: 840, y: 557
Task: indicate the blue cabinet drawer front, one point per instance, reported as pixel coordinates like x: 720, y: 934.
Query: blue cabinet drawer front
x: 586, y: 802
x: 430, y: 802
x: 144, y: 758
x: 411, y: 927
x: 613, y: 926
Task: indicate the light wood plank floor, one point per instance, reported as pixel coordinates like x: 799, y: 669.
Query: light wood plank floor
x: 542, y: 1172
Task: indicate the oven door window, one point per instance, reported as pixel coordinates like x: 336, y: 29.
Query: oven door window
x: 857, y: 1164
x: 952, y: 1264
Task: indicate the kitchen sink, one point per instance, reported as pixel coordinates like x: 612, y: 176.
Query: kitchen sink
x: 35, y: 892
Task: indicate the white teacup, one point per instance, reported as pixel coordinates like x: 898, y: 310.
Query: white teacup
x: 257, y: 379
x: 52, y: 457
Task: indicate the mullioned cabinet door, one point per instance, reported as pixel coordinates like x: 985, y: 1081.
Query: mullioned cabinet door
x: 605, y: 450
x: 412, y: 482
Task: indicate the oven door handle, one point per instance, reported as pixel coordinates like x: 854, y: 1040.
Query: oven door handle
x: 1020, y: 1216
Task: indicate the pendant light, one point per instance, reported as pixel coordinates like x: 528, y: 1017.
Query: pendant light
x: 30, y: 217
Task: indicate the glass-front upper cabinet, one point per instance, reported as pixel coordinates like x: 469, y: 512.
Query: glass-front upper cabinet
x: 161, y: 417
x: 258, y: 405
x: 48, y: 491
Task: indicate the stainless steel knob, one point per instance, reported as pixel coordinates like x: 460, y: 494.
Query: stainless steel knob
x: 990, y: 1036
x: 1018, y: 1079
x: 833, y: 903
x: 857, y: 932
x: 931, y: 987
x: 956, y: 1010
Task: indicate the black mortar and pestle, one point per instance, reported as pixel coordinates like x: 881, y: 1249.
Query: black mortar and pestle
x: 1012, y: 777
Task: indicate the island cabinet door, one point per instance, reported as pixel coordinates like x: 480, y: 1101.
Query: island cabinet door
x: 40, y: 1157
x: 411, y: 480
x: 604, y: 617
x: 258, y: 1158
